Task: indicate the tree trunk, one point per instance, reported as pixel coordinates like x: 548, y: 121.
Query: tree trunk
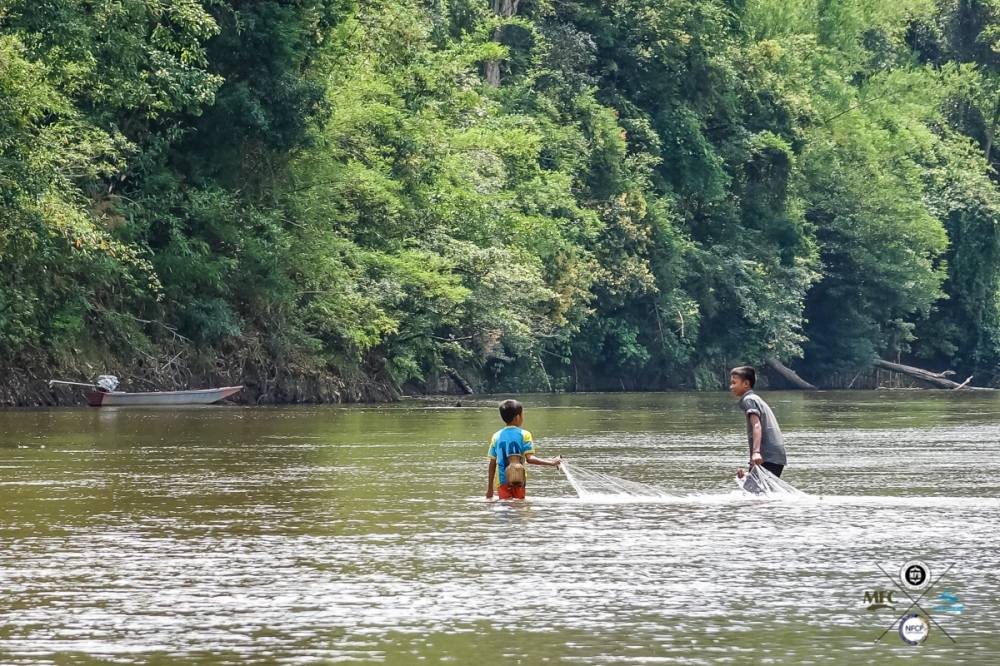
x: 963, y: 384
x: 936, y: 379
x: 992, y: 131
x: 493, y: 73
x: 459, y: 380
x: 506, y: 9
x: 789, y: 375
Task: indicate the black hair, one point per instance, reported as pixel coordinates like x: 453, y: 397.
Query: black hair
x: 745, y: 372
x: 509, y: 409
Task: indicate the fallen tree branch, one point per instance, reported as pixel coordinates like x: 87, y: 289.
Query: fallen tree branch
x: 936, y: 379
x: 169, y: 329
x: 963, y: 384
x: 788, y: 374
x: 459, y: 381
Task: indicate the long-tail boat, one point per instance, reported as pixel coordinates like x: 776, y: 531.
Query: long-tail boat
x: 105, y: 395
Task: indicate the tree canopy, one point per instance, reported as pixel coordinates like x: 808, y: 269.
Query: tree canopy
x: 615, y: 194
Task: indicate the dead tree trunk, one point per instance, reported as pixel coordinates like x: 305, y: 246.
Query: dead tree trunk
x: 937, y: 379
x: 963, y: 384
x: 789, y: 375
x: 459, y: 380
x: 505, y: 9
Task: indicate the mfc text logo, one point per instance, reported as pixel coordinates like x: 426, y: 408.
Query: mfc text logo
x: 912, y: 586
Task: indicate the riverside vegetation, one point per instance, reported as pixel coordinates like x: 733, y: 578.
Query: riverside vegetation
x: 330, y: 199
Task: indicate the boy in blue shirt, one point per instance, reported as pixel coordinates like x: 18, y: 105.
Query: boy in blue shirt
x: 512, y: 444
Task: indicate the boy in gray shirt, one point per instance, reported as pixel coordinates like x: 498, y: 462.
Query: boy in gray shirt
x: 767, y: 447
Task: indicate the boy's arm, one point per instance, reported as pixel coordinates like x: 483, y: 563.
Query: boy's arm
x: 493, y: 471
x: 755, y: 457
x: 550, y: 462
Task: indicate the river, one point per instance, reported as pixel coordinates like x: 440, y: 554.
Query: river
x: 234, y: 535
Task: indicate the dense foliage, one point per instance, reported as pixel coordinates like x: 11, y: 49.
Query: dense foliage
x: 534, y: 195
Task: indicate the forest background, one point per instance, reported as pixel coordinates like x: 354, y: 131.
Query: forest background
x: 338, y: 200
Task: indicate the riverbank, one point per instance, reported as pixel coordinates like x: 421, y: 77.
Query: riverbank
x: 262, y: 385
x: 265, y: 383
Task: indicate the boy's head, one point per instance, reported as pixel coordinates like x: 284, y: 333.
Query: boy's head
x: 741, y: 380
x: 512, y: 412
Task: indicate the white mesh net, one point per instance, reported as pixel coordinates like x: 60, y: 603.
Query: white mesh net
x: 759, y: 481
x: 589, y: 484
x: 107, y: 382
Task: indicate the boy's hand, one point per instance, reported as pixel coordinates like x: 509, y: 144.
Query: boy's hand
x: 557, y: 461
x: 740, y: 473
x: 756, y: 459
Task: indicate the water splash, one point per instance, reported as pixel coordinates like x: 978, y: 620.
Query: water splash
x: 593, y: 485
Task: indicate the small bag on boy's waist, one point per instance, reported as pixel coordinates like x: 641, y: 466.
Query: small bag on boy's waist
x: 514, y: 471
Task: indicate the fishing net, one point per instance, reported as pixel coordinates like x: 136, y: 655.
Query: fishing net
x: 759, y: 481
x: 589, y: 484
x: 107, y: 382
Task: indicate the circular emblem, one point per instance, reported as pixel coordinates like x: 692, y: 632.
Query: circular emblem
x: 914, y: 628
x: 915, y: 575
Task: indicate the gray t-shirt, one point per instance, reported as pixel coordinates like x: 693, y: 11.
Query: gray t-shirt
x: 772, y: 444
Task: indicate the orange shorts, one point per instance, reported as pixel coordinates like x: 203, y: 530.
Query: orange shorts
x: 507, y: 491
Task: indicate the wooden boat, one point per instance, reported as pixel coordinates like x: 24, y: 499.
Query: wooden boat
x: 123, y: 398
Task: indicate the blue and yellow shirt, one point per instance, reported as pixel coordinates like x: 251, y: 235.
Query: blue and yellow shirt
x: 509, y: 441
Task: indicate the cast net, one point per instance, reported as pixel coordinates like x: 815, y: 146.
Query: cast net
x: 759, y: 481
x: 107, y: 383
x: 590, y: 484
